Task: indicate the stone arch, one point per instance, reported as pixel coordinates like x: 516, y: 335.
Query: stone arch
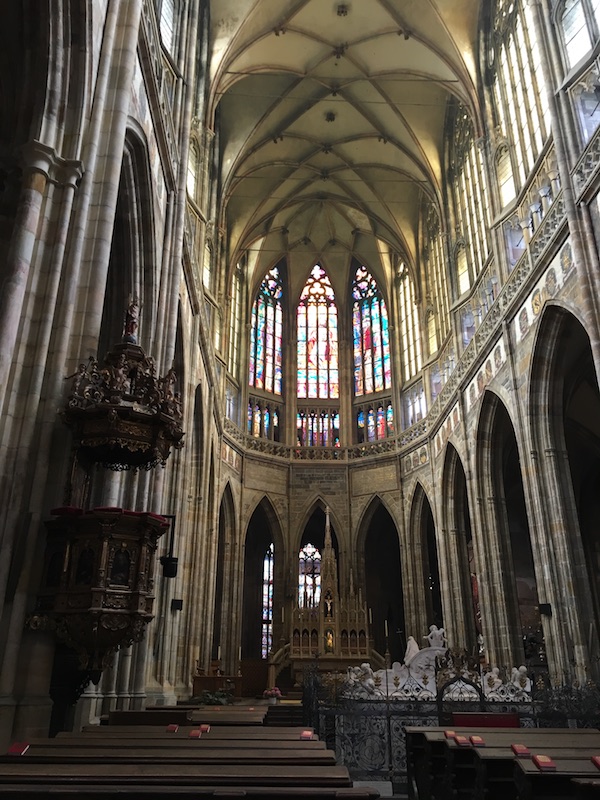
x: 132, y: 264
x: 318, y: 506
x: 509, y: 602
x: 458, y: 564
x: 222, y: 598
x: 380, y: 573
x: 564, y: 409
x: 422, y: 587
x: 263, y: 528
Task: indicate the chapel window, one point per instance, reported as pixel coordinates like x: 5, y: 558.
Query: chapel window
x: 267, y: 603
x: 575, y: 24
x: 410, y: 330
x: 235, y: 322
x: 469, y: 192
x: 372, y: 368
x: 309, y: 577
x: 522, y: 116
x: 265, y: 372
x: 317, y: 324
x: 167, y: 23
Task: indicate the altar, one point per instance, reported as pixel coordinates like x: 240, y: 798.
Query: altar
x: 331, y: 629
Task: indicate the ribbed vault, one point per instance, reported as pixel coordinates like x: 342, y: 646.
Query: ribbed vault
x: 331, y: 120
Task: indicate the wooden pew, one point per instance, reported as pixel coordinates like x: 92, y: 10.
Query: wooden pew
x: 50, y: 791
x: 428, y: 753
x: 183, y: 716
x: 216, y: 732
x: 56, y: 754
x: 21, y: 771
x: 168, y: 742
x: 532, y: 783
x: 176, y: 716
x: 469, y: 770
x: 495, y: 766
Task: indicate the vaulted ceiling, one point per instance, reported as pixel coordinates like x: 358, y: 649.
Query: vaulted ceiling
x: 331, y: 119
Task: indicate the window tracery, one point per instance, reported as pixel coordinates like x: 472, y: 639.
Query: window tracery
x: 309, y: 577
x: 265, y: 367
x: 520, y: 98
x: 267, y: 602
x: 370, y: 334
x: 410, y: 329
x: 317, y: 326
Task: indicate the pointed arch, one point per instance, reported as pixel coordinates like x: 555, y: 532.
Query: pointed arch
x: 380, y: 572
x: 423, y: 545
x: 225, y: 537
x: 564, y: 414
x: 509, y: 601
x: 262, y: 594
x: 132, y: 266
x: 458, y: 564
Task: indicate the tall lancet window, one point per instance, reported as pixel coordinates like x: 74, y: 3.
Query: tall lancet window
x: 372, y: 370
x: 318, y: 371
x: 267, y: 603
x: 265, y: 336
x: 309, y: 577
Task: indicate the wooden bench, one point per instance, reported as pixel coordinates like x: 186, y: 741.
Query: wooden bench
x: 494, y: 767
x: 21, y: 770
x: 229, y: 756
x: 532, y: 783
x: 433, y: 759
x: 170, y: 741
x: 175, y: 716
x: 50, y: 791
x: 216, y: 732
x: 484, y: 719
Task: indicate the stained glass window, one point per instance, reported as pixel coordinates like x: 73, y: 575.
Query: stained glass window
x: 372, y: 367
x: 263, y: 419
x: 318, y: 428
x: 235, y: 324
x: 267, y: 603
x: 265, y: 335
x: 410, y: 329
x: 309, y: 577
x: 318, y: 372
x: 374, y: 422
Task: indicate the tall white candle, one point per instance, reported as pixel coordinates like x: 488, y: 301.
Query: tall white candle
x: 386, y: 628
x: 370, y: 616
x: 219, y: 652
x: 282, y: 614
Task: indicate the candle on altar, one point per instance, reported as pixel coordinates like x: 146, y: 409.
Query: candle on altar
x: 219, y: 653
x: 370, y: 616
x: 282, y: 614
x: 240, y: 653
x: 386, y: 628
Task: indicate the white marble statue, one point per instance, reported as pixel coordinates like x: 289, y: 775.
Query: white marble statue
x: 412, y: 648
x: 492, y: 681
x: 436, y: 637
x: 520, y: 678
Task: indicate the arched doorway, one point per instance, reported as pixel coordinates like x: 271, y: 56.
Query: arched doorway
x: 565, y: 418
x: 383, y: 581
x: 459, y: 563
x: 510, y: 604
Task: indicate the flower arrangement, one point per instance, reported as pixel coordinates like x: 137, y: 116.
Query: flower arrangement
x: 274, y: 691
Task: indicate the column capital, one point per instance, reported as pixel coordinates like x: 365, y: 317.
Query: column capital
x: 39, y: 157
